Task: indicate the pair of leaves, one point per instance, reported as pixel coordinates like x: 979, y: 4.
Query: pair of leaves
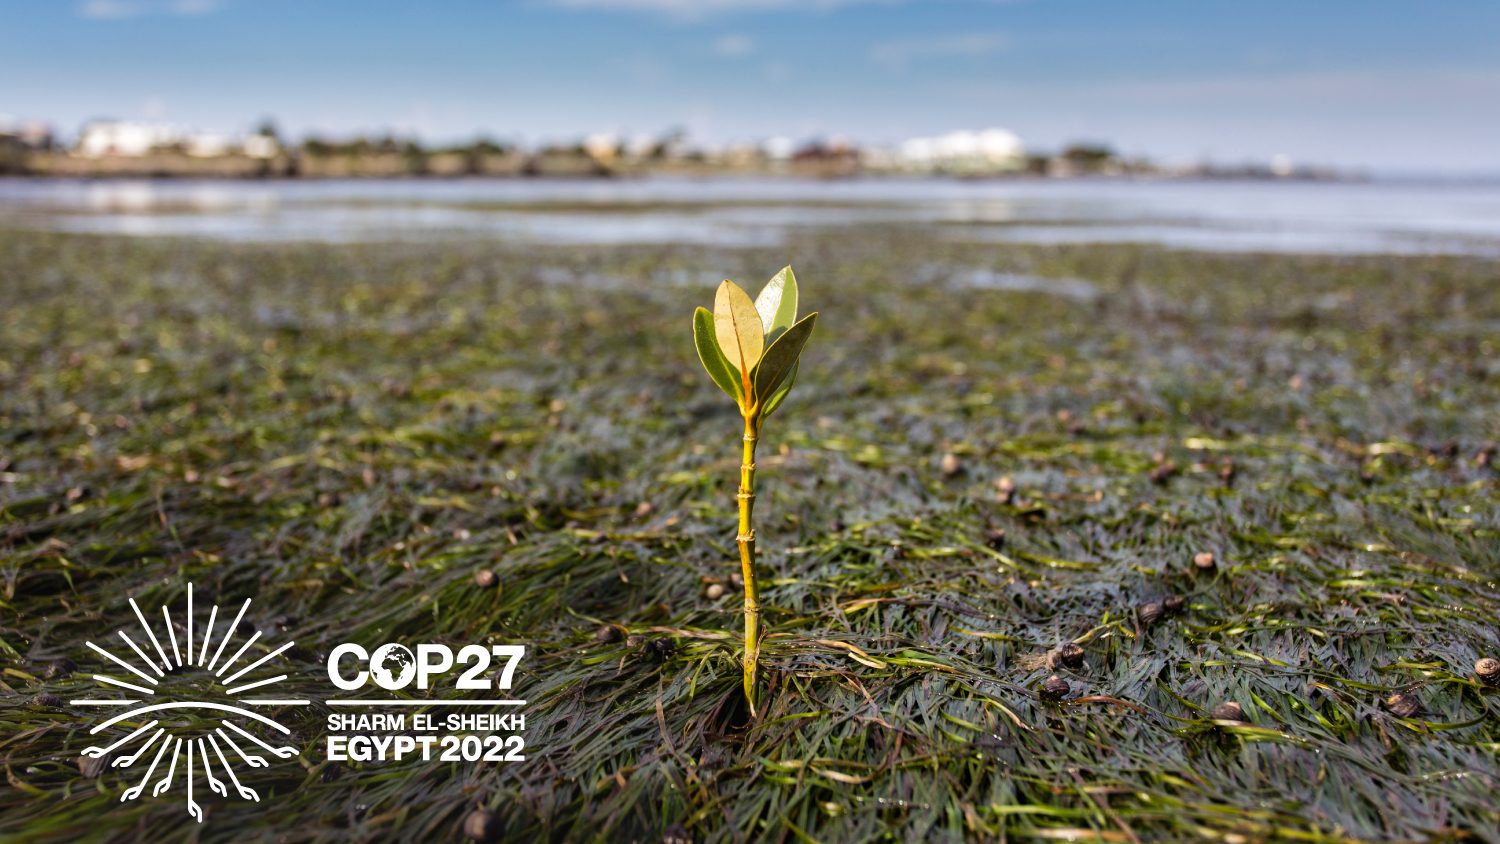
x: 751, y: 349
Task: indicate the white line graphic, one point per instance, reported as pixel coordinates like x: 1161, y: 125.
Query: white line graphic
x: 243, y: 648
x: 96, y: 752
x: 208, y: 634
x: 248, y: 686
x: 372, y: 702
x: 123, y: 664
x: 256, y: 664
x: 151, y: 633
x: 229, y: 633
x: 196, y: 760
x: 142, y: 654
x: 172, y: 631
x: 122, y: 684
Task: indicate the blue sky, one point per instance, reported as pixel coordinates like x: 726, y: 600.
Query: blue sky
x: 1386, y: 84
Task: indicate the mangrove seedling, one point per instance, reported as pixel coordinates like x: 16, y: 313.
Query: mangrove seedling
x: 750, y: 350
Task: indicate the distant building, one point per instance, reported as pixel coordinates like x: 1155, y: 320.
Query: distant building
x: 742, y: 155
x: 640, y: 146
x: 964, y: 152
x: 779, y: 148
x: 106, y: 138
x: 207, y: 144
x: 261, y: 146
x: 602, y: 146
x: 819, y: 150
x: 133, y: 139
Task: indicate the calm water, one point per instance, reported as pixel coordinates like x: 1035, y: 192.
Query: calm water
x: 1353, y: 218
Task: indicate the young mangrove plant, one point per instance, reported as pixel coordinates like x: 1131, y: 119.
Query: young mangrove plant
x: 750, y: 350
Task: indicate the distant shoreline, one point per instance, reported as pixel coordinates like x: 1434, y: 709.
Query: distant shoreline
x: 122, y: 175
x: 302, y: 166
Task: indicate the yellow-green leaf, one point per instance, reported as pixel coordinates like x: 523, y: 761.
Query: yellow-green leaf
x: 782, y: 356
x: 738, y: 330
x: 712, y: 357
x: 768, y: 406
x: 777, y: 303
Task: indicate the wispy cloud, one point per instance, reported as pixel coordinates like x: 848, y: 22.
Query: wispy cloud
x: 1432, y: 85
x: 705, y: 8
x: 905, y: 52
x: 117, y: 9
x: 734, y: 46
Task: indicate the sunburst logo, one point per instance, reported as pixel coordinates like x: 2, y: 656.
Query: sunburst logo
x: 187, y: 714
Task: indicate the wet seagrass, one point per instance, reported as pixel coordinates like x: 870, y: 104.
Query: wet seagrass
x: 319, y: 426
x: 751, y: 350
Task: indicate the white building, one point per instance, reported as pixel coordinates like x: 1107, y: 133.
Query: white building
x: 125, y: 138
x: 640, y: 145
x: 208, y: 144
x: 103, y: 138
x: 779, y: 148
x: 602, y: 146
x: 261, y: 146
x: 986, y: 151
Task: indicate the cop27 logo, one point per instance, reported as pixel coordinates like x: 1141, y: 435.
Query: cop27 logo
x: 188, y: 703
x: 393, y: 666
x: 187, y: 699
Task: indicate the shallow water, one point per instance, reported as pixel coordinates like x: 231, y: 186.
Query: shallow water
x: 1342, y: 218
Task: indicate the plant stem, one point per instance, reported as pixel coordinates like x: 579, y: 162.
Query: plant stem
x: 746, y: 541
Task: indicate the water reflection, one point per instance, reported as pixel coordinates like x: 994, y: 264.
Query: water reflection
x: 1251, y: 216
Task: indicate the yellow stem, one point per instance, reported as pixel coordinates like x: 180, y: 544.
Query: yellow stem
x: 746, y: 541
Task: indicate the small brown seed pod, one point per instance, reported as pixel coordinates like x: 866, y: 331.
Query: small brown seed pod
x: 951, y: 465
x: 482, y: 825
x: 60, y: 668
x: 1204, y: 561
x: 995, y: 538
x: 714, y: 592
x: 1163, y: 472
x: 1403, y: 704
x: 484, y: 579
x: 92, y: 766
x: 1173, y: 604
x: 1005, y: 490
x: 1055, y: 688
x: 1150, y: 613
x: 1227, y: 471
x: 1488, y: 671
x: 608, y: 634
x: 1229, y: 711
x: 1067, y: 655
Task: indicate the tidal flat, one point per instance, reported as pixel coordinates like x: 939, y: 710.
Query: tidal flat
x: 969, y: 475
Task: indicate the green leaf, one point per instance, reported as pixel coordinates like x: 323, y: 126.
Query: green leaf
x: 780, y: 395
x: 777, y: 303
x: 737, y: 327
x: 782, y: 356
x: 713, y: 359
